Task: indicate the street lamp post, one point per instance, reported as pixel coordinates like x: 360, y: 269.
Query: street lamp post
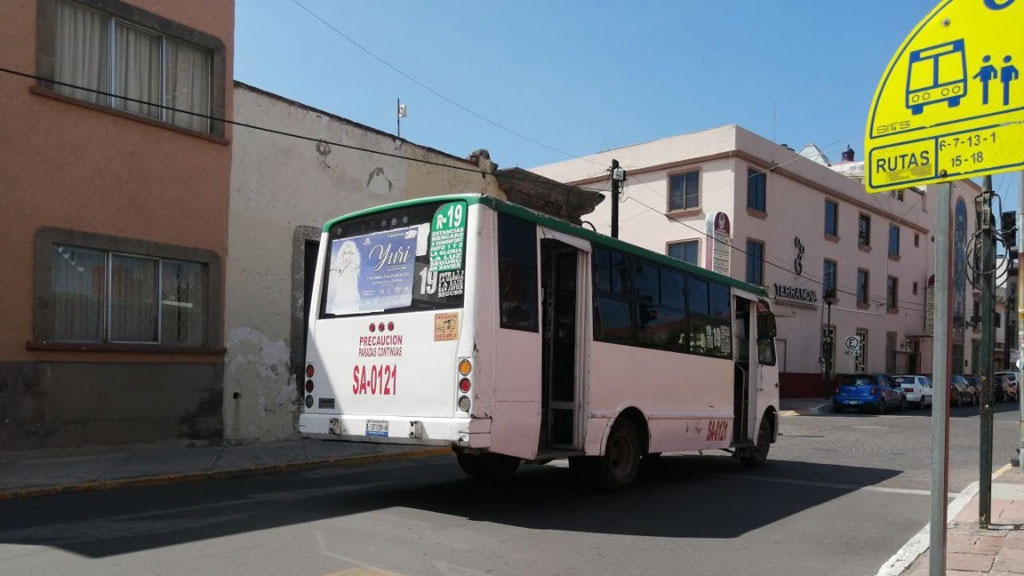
x: 830, y: 299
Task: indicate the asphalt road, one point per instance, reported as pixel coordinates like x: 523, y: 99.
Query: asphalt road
x: 839, y: 495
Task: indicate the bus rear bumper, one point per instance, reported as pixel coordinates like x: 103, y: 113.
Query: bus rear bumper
x: 465, y: 432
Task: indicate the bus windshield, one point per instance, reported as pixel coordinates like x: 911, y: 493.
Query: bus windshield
x: 402, y: 260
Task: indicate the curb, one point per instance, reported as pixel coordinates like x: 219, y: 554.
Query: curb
x: 822, y: 409
x: 189, y: 477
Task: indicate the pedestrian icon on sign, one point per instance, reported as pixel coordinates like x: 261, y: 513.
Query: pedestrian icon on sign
x: 986, y: 74
x: 1007, y: 74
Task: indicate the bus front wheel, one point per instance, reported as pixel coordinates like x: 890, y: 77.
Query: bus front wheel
x: 758, y: 453
x: 620, y: 464
x: 488, y: 466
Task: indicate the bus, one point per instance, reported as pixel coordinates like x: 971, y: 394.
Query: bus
x: 513, y: 336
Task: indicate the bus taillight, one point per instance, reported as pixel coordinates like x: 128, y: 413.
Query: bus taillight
x: 309, y: 386
x: 465, y: 367
x: 465, y: 385
x: 309, y: 370
x: 464, y: 403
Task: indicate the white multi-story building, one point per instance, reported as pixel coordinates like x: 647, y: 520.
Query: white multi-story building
x: 730, y: 200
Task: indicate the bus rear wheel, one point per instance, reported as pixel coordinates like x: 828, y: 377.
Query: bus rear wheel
x: 620, y: 464
x: 488, y: 466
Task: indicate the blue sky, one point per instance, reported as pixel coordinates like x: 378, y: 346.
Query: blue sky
x: 579, y: 77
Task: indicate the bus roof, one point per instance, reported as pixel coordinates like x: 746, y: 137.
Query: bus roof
x: 560, y: 226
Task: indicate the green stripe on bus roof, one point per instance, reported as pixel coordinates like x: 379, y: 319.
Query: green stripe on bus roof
x: 560, y: 226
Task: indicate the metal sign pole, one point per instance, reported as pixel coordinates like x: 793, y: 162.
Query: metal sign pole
x: 941, y: 356
x: 1020, y: 323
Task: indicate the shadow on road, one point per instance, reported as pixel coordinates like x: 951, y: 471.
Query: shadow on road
x: 678, y: 497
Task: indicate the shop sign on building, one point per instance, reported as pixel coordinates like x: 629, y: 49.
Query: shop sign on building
x: 719, y: 248
x: 795, y: 293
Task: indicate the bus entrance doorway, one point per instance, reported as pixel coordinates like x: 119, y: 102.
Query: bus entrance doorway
x: 560, y: 299
x: 742, y: 373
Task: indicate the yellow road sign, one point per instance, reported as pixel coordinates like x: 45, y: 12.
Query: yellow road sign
x: 951, y: 103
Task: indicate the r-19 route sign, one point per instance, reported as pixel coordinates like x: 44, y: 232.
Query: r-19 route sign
x: 951, y: 103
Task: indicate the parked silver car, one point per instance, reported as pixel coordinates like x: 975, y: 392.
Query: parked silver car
x: 917, y: 388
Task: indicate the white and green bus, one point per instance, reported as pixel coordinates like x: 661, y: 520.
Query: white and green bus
x: 513, y: 336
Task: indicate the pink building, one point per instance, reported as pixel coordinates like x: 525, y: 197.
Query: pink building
x: 114, y: 222
x: 730, y: 200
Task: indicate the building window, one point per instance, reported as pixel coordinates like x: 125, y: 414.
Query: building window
x: 756, y: 186
x: 687, y: 251
x: 98, y: 289
x: 864, y: 230
x: 862, y: 287
x: 913, y: 288
x: 917, y: 239
x: 829, y: 277
x: 860, y: 359
x: 831, y: 218
x: 146, y: 62
x: 755, y: 262
x: 892, y: 289
x: 684, y: 191
x: 100, y: 296
x: 894, y: 241
x: 897, y: 194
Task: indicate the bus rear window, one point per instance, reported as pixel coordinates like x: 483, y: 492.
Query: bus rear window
x: 401, y: 260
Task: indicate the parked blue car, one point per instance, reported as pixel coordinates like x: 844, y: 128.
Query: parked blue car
x: 874, y: 392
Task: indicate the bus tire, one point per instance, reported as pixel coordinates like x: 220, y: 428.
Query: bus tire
x: 620, y: 465
x: 488, y: 466
x: 757, y: 454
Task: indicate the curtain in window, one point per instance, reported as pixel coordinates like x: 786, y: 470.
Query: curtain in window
x: 77, y: 286
x: 133, y: 299
x: 137, y: 69
x: 81, y: 51
x: 189, y: 74
x: 182, y: 303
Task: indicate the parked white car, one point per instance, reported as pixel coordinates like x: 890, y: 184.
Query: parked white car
x: 918, y: 389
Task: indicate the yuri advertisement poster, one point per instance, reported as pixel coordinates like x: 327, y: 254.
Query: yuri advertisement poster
x: 371, y: 273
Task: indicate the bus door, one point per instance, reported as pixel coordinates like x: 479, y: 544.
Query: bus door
x: 744, y: 370
x: 564, y: 278
x: 767, y: 369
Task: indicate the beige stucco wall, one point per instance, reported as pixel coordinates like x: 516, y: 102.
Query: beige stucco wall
x: 277, y: 185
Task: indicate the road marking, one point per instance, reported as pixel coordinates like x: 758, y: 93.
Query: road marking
x: 838, y: 485
x: 1002, y: 470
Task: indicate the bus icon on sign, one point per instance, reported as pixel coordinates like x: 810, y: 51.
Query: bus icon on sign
x: 937, y: 74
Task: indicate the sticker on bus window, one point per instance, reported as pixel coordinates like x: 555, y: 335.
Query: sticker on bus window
x: 448, y: 237
x: 446, y: 326
x: 372, y: 272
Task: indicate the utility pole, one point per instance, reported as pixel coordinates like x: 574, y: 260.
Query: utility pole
x: 988, y: 264
x: 618, y: 177
x: 399, y: 114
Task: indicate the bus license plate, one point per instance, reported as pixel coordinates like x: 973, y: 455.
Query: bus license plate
x: 376, y: 427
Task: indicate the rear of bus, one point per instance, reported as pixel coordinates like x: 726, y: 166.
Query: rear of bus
x: 390, y: 337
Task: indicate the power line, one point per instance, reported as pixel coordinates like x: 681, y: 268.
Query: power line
x: 277, y: 132
x: 408, y: 77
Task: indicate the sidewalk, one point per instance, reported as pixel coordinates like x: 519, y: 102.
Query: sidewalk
x: 998, y: 551
x: 25, y: 475
x: 804, y: 406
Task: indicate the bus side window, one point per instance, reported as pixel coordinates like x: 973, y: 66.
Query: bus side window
x: 517, y: 273
x: 765, y: 334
